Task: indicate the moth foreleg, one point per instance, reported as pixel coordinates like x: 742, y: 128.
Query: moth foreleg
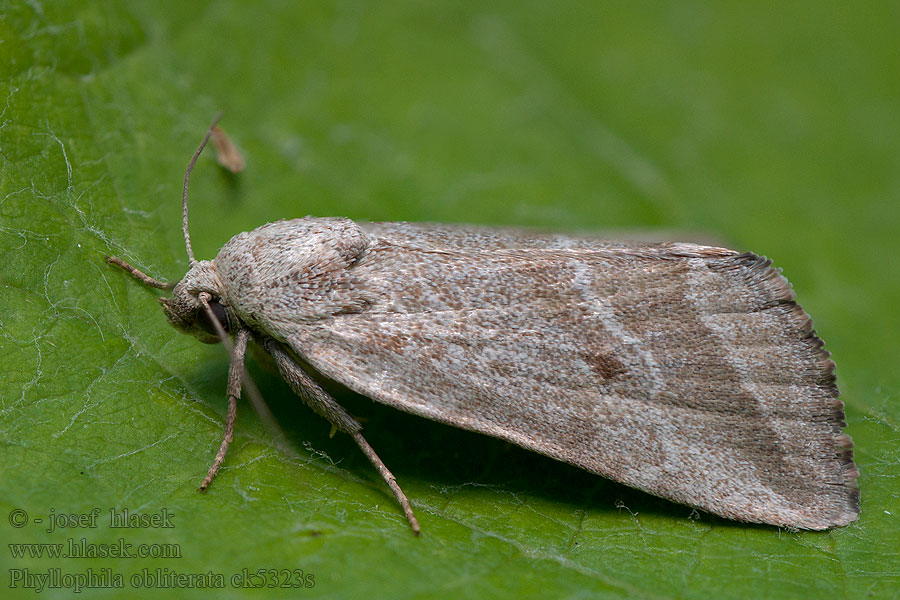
x: 323, y: 404
x: 235, y: 370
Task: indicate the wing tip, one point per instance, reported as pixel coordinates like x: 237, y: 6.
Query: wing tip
x: 776, y: 290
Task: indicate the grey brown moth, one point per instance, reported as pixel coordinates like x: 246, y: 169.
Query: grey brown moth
x: 685, y: 371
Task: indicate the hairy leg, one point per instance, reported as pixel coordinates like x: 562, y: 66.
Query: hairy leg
x: 234, y: 392
x: 323, y: 404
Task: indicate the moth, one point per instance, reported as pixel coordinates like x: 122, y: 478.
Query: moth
x: 686, y: 371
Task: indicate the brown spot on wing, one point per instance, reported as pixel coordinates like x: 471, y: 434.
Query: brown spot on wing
x: 605, y: 365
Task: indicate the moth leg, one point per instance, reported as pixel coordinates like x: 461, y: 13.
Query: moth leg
x: 309, y: 390
x: 388, y: 479
x: 235, y: 370
x: 139, y: 275
x: 323, y: 404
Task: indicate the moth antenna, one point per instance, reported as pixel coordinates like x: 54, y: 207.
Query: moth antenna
x: 187, y: 180
x: 138, y: 274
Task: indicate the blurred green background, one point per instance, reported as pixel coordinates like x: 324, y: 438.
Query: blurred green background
x: 775, y: 127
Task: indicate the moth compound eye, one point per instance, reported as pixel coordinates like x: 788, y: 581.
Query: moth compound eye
x: 221, y: 316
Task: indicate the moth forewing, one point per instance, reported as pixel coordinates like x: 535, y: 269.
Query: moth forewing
x: 686, y: 371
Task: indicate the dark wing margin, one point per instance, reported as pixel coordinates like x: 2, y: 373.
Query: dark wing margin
x: 758, y: 272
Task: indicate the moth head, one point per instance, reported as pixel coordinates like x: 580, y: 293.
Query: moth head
x: 185, y: 309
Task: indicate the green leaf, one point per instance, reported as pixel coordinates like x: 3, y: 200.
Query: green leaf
x: 775, y: 128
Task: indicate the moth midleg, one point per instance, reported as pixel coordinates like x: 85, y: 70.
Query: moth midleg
x: 388, y: 479
x: 309, y: 390
x: 323, y: 404
x: 235, y: 371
